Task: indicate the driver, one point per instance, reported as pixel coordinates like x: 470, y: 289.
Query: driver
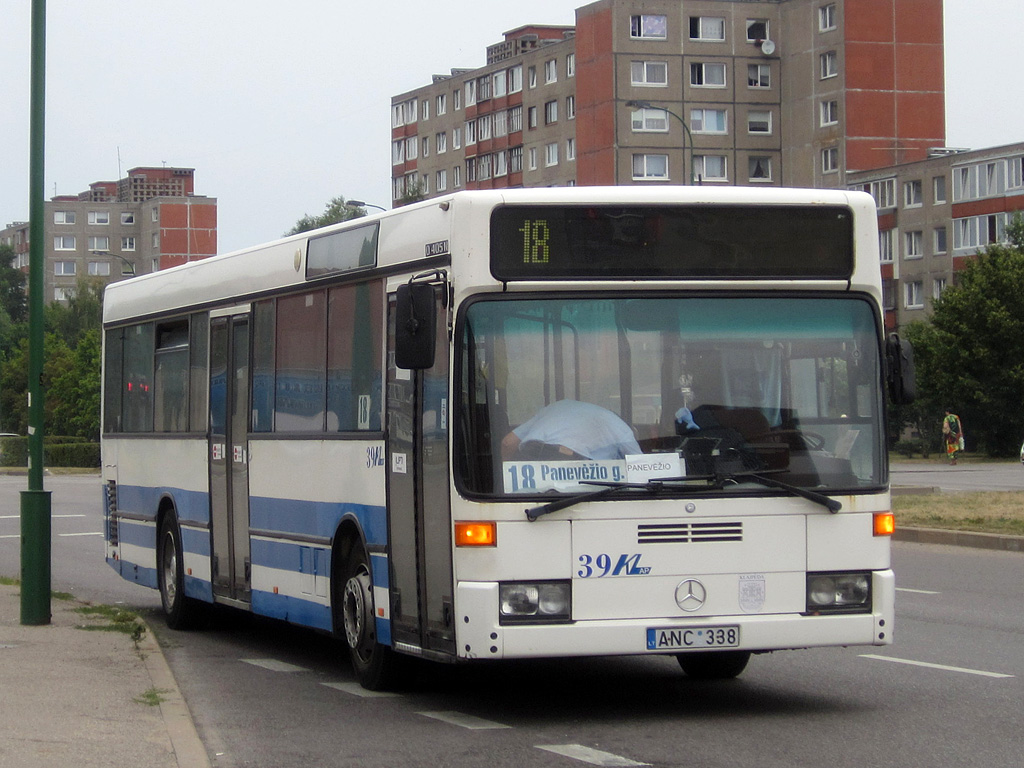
x: 581, y: 429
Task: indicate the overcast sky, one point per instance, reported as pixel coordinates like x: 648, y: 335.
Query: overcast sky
x: 281, y: 106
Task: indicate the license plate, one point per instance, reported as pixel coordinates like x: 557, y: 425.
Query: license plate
x: 692, y: 638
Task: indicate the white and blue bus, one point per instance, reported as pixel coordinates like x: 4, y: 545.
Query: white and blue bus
x: 519, y: 423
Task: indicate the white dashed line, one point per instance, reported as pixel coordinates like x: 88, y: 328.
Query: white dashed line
x: 918, y: 591
x: 943, y: 667
x: 357, y: 690
x: 588, y: 755
x: 91, y: 533
x: 464, y: 721
x: 274, y: 665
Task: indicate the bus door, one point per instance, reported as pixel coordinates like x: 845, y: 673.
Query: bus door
x: 419, y: 511
x: 229, y: 460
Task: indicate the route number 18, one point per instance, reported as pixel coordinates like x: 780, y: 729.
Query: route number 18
x: 535, y: 241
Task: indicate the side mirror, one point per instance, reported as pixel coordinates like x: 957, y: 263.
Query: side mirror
x: 415, y: 326
x: 899, y: 373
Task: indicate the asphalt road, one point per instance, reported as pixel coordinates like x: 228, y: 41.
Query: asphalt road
x: 965, y: 476
x: 948, y: 693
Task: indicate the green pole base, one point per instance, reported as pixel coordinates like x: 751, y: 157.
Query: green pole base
x: 35, y: 557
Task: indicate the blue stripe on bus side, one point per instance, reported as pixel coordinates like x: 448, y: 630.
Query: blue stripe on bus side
x: 132, y: 572
x: 316, y: 518
x: 292, y: 609
x: 190, y: 506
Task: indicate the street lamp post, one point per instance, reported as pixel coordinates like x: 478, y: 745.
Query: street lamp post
x: 127, y: 267
x: 689, y: 136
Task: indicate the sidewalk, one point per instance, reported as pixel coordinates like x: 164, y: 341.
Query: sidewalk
x: 69, y: 696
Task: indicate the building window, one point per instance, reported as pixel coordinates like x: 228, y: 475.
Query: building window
x: 515, y: 119
x: 649, y: 120
x: 551, y: 112
x: 827, y: 17
x: 470, y: 132
x: 939, y: 190
x: 456, y: 177
x: 551, y: 154
x: 403, y: 114
x: 551, y: 71
x: 707, y: 74
x: 830, y: 160
x: 708, y: 121
x: 425, y: 109
x: 570, y: 65
x: 939, y: 240
x: 483, y: 127
x: 570, y: 107
x: 913, y: 196
x: 888, y: 294
x: 650, y: 167
x: 885, y: 246
x: 912, y: 245
x: 441, y: 140
x: 709, y: 28
x: 648, y: 73
x: 829, y: 112
x: 912, y: 298
x: 64, y: 268
x: 1015, y: 173
x: 499, y: 84
x: 759, y: 76
x: 484, y: 167
x: 938, y: 286
x: 64, y: 243
x: 533, y: 158
x: 648, y: 26
x: 883, y: 191
x: 759, y: 121
x: 470, y: 91
x: 531, y: 77
x: 456, y: 138
x: 710, y: 167
x: 457, y: 99
x: 515, y: 160
x: 441, y: 104
x: 398, y: 152
x: 500, y: 164
x: 127, y: 217
x: 99, y: 243
x: 760, y: 168
x: 570, y: 149
x: 61, y: 294
x: 155, y: 240
x: 757, y: 30
x: 154, y: 215
x: 63, y: 217
x: 515, y: 79
x: 425, y: 150
x: 531, y: 117
x: 99, y: 268
x: 128, y: 243
x: 829, y: 65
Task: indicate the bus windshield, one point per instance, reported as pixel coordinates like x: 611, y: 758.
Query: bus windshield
x: 556, y: 393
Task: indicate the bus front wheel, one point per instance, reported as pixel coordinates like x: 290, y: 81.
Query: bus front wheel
x: 375, y: 665
x: 713, y: 665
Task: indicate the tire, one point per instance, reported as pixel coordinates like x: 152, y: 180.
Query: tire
x: 180, y: 611
x: 713, y: 665
x: 376, y: 666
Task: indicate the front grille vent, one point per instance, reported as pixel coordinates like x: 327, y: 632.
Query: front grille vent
x: 112, y: 512
x: 688, y: 533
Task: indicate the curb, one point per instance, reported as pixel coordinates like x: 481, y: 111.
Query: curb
x: 997, y: 541
x: 188, y: 747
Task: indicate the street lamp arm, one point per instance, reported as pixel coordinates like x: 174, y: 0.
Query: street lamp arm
x: 128, y: 267
x: 637, y: 104
x: 361, y: 204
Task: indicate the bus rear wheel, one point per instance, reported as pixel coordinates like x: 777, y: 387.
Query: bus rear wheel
x: 375, y: 665
x: 170, y: 572
x: 713, y: 665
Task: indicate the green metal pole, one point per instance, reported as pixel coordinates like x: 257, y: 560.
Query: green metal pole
x: 35, y: 502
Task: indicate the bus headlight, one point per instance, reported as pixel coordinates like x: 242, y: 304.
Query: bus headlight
x: 545, y: 602
x: 839, y: 592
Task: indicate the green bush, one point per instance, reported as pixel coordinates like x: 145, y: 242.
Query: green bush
x: 58, y: 451
x: 909, y: 447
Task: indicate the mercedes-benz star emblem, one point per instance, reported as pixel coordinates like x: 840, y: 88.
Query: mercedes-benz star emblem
x: 690, y: 595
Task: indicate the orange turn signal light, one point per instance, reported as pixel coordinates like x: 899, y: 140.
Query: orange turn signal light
x: 885, y: 523
x: 476, y: 534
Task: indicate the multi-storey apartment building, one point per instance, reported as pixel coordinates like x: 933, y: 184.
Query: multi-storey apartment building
x: 151, y: 219
x: 779, y: 92
x: 936, y: 213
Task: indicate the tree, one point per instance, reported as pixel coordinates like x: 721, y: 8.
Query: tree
x: 415, y: 191
x: 83, y: 312
x: 13, y: 299
x: 337, y: 210
x: 970, y: 357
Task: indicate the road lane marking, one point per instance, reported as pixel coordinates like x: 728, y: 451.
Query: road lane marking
x: 90, y: 533
x: 588, y: 755
x: 15, y: 517
x: 918, y: 591
x: 464, y: 721
x: 943, y: 667
x: 274, y: 665
x: 357, y: 690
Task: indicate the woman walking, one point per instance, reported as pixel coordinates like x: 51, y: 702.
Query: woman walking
x: 953, y: 434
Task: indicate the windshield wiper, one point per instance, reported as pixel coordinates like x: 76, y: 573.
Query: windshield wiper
x: 832, y: 505
x: 656, y: 486
x: 607, y: 489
